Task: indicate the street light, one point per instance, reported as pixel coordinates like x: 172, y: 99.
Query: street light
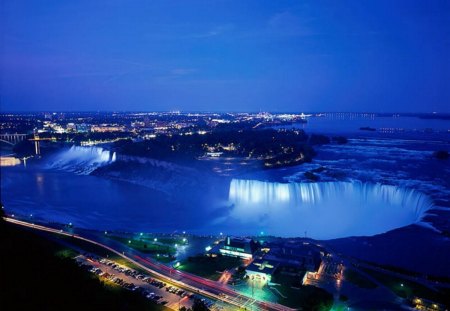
x: 253, y: 285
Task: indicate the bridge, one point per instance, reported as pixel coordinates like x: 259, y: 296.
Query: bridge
x: 12, y: 139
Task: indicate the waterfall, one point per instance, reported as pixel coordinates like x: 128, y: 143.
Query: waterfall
x: 327, y: 209
x: 81, y: 160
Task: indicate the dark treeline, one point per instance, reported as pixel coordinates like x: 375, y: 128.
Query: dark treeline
x: 274, y: 147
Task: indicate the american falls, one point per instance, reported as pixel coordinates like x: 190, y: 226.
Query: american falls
x: 81, y: 160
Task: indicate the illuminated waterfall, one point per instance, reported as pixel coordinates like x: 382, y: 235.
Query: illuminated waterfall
x: 82, y: 160
x: 326, y: 210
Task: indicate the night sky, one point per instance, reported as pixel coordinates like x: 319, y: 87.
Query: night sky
x: 379, y: 56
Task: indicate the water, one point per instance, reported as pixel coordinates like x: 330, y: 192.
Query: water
x: 94, y: 202
x: 322, y: 210
x: 82, y: 160
x: 350, y: 124
x: 328, y: 209
x: 394, y: 174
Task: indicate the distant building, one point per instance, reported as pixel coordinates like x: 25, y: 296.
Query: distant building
x: 107, y: 128
x: 214, y: 154
x: 238, y: 247
x: 9, y: 161
x: 83, y: 128
x: 71, y: 127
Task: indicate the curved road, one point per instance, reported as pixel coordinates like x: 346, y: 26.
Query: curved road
x: 190, y: 282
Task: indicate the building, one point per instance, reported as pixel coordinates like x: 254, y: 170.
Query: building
x: 261, y: 270
x: 107, y: 128
x: 214, y: 154
x: 238, y: 247
x: 295, y: 255
x: 83, y: 128
x: 71, y: 127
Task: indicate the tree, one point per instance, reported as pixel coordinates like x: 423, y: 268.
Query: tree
x: 441, y: 154
x: 24, y: 148
x: 340, y: 140
x: 2, y: 211
x: 199, y: 305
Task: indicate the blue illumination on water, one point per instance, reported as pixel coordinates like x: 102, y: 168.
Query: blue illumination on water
x: 82, y: 160
x: 328, y: 209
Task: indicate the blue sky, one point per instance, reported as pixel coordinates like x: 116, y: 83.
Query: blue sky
x: 380, y: 56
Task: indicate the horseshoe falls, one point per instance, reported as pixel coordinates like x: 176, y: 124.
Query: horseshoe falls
x: 325, y: 210
x: 81, y: 160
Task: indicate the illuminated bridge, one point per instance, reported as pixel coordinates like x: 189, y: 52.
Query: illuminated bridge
x: 12, y: 139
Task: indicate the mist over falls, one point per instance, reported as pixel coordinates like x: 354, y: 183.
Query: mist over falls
x: 82, y: 160
x: 325, y: 210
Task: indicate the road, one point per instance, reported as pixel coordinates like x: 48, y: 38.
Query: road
x: 208, y: 288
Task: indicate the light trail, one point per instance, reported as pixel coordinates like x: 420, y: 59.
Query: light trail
x: 232, y: 297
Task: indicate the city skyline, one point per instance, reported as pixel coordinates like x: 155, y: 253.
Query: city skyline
x: 225, y: 56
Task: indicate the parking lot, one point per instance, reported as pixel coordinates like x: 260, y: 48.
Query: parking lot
x: 151, y: 288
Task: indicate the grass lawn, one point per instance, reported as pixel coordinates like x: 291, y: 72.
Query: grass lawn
x: 208, y: 267
x: 287, y: 279
x: 409, y: 288
x: 306, y: 297
x: 357, y: 279
x: 147, y: 246
x: 97, y: 250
